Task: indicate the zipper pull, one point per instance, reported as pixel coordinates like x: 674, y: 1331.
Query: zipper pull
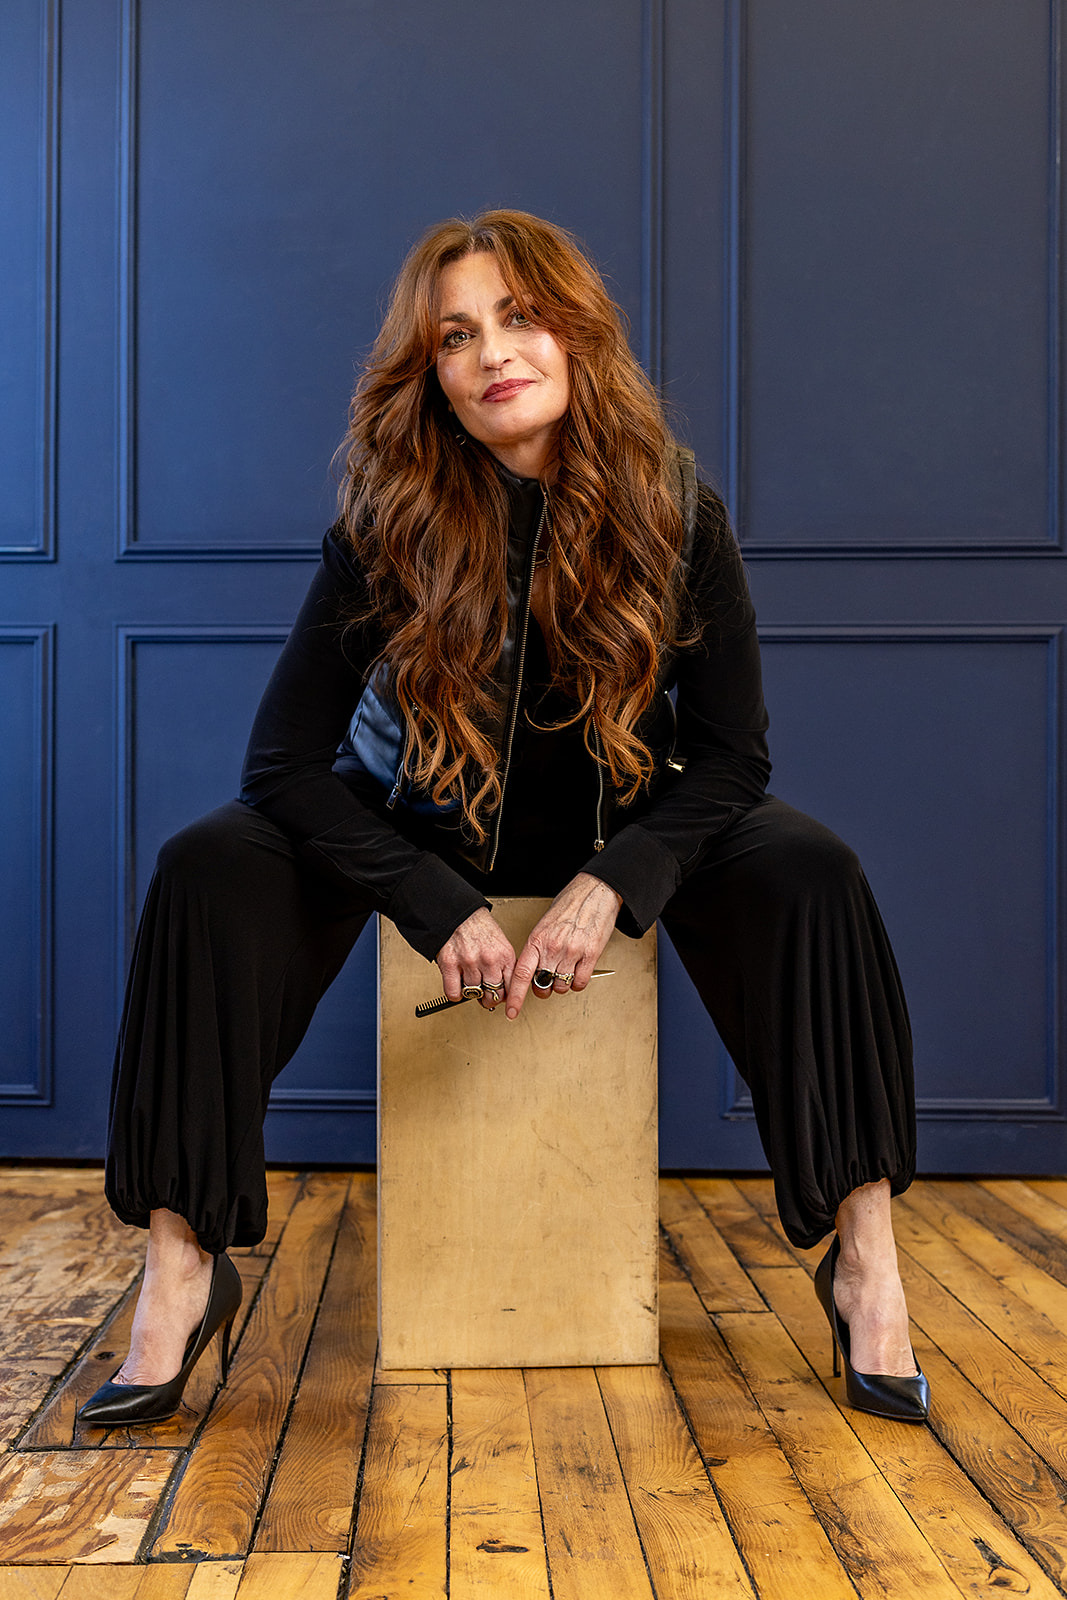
x: 598, y: 845
x: 395, y: 796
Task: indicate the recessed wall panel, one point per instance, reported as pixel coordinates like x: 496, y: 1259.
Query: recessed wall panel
x: 935, y: 754
x: 698, y: 198
x: 188, y: 699
x: 898, y: 244
x: 277, y: 173
x: 27, y: 155
x: 25, y: 864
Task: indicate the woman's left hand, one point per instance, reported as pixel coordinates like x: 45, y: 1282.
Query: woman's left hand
x: 568, y: 940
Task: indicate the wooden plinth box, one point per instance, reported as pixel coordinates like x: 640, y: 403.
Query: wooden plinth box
x: 517, y: 1168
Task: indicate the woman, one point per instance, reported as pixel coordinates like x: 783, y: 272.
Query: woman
x: 472, y: 702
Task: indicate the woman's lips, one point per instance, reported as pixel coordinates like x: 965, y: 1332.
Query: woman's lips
x: 504, y: 391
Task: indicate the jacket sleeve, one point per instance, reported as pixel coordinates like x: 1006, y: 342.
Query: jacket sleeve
x: 288, y: 770
x: 722, y: 726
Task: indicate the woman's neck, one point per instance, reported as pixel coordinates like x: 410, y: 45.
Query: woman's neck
x: 534, y: 465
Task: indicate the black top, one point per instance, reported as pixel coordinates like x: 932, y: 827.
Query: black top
x: 345, y: 832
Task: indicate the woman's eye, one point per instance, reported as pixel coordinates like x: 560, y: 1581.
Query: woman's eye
x: 453, y: 340
x: 520, y: 319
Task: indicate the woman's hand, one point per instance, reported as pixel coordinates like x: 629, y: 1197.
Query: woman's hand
x: 569, y: 939
x: 478, y: 954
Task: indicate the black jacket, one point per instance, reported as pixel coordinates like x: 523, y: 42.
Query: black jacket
x: 339, y: 816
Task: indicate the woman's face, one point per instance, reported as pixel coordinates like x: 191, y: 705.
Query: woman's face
x: 506, y: 379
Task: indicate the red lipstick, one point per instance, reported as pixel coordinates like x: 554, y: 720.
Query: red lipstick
x: 505, y: 391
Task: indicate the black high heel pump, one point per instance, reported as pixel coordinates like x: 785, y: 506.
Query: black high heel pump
x: 900, y: 1399
x: 115, y: 1404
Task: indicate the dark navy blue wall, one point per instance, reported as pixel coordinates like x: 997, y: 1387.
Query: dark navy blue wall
x: 836, y: 230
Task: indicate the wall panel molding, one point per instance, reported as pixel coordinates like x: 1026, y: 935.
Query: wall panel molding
x: 733, y: 244
x: 126, y: 281
x: 1055, y: 287
x: 652, y: 183
x: 135, y: 538
x: 350, y: 1101
x: 737, y: 1106
x: 35, y: 1089
x: 1050, y: 542
x: 129, y: 638
x: 42, y: 548
x: 736, y: 1102
x: 129, y: 545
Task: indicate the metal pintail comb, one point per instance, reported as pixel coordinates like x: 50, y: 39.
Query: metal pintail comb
x: 426, y: 1008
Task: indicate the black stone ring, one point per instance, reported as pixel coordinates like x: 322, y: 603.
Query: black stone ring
x: 543, y: 980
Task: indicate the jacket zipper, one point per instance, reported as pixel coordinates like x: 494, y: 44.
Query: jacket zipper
x: 516, y: 685
x: 401, y: 776
x: 598, y: 842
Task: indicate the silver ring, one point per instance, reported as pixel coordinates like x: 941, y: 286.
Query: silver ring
x: 543, y: 980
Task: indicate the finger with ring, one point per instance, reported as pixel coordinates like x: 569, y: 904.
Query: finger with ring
x: 493, y: 992
x: 472, y: 991
x: 566, y: 978
x: 543, y: 980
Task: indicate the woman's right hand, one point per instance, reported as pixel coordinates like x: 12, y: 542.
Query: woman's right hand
x: 477, y: 953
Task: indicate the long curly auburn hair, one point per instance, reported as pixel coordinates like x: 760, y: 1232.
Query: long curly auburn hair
x: 428, y: 514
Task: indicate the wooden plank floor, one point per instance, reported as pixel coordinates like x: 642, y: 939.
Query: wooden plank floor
x: 731, y: 1469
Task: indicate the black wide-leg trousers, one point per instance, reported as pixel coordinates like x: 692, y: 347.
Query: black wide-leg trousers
x: 238, y: 942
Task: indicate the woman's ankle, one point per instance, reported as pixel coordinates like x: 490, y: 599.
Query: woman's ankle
x: 173, y: 1248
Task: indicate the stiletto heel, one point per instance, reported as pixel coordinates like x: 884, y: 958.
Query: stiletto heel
x: 882, y: 1394
x: 115, y: 1404
x: 224, y: 1351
